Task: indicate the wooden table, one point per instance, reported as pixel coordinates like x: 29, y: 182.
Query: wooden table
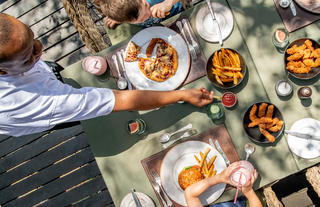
x: 118, y: 154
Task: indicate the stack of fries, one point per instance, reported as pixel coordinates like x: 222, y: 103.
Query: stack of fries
x: 206, y: 168
x: 226, y: 66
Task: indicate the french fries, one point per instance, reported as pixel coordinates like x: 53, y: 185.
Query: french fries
x: 226, y: 67
x: 206, y: 168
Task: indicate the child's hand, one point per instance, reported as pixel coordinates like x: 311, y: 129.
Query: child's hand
x: 161, y: 10
x: 225, y: 175
x: 248, y: 186
x: 111, y: 23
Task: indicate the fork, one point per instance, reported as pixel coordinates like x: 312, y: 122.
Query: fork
x: 186, y: 134
x: 158, y: 181
x: 157, y: 188
x: 191, y: 49
x: 121, y: 56
x: 193, y: 42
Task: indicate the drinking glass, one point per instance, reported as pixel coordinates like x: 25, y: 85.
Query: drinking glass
x: 137, y: 126
x: 280, y: 39
x: 243, y: 174
x: 215, y: 111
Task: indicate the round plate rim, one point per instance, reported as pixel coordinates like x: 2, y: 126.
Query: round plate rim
x: 292, y: 137
x: 189, y: 142
x: 129, y: 197
x: 198, y: 24
x: 171, y: 87
x: 306, y: 8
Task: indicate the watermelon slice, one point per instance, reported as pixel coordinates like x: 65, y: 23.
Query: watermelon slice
x: 280, y: 36
x: 133, y: 127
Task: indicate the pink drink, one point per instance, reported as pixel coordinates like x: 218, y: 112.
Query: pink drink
x: 243, y: 173
x: 94, y: 64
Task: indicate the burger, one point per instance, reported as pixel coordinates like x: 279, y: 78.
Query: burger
x: 189, y: 176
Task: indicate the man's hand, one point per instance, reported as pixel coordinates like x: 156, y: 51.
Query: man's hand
x: 161, y: 10
x: 198, y: 97
x: 111, y: 23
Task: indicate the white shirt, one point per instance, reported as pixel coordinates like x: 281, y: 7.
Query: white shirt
x: 36, y: 101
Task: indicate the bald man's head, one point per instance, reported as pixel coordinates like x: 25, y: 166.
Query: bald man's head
x: 18, y: 49
x: 5, y: 30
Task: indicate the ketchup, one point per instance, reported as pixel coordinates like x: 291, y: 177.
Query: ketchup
x: 229, y: 99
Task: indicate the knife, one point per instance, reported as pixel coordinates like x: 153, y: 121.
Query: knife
x: 122, y: 55
x: 293, y: 8
x: 218, y: 147
x: 135, y: 198
x: 303, y: 136
x: 214, y: 20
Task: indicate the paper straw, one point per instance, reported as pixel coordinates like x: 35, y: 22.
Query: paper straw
x: 238, y: 186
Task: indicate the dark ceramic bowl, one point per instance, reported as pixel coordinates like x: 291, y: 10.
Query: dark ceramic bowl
x: 254, y: 132
x: 227, y: 85
x: 302, y: 76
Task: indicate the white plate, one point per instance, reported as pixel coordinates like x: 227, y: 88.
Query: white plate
x: 304, y: 148
x: 142, y: 38
x: 209, y: 30
x: 181, y: 156
x: 145, y: 200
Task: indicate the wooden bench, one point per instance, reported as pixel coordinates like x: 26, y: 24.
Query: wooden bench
x: 55, y: 168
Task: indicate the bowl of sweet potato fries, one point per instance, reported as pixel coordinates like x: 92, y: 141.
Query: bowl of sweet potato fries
x: 263, y: 122
x: 302, y: 58
x: 226, y: 68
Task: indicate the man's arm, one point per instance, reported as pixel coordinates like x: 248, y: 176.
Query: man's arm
x: 145, y: 100
x: 160, y: 10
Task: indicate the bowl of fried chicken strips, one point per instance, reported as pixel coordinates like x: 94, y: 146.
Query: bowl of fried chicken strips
x: 302, y: 58
x: 263, y: 122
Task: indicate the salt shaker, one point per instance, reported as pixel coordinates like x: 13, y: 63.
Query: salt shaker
x: 284, y: 88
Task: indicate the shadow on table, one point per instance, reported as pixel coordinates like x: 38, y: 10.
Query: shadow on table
x: 106, y: 141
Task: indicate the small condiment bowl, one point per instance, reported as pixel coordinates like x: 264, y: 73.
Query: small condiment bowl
x: 224, y: 96
x: 289, y: 84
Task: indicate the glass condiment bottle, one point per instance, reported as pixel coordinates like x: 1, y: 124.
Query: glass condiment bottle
x: 304, y: 92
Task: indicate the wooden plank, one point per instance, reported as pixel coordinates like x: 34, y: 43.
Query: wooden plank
x: 23, y: 7
x: 97, y: 200
x: 14, y: 143
x: 54, y: 20
x: 57, y: 186
x: 43, y: 160
x: 48, y: 174
x: 74, y: 56
x: 63, y: 48
x: 67, y: 198
x: 57, y: 35
x: 37, y: 147
x: 42, y: 11
x: 3, y: 137
x: 5, y: 4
